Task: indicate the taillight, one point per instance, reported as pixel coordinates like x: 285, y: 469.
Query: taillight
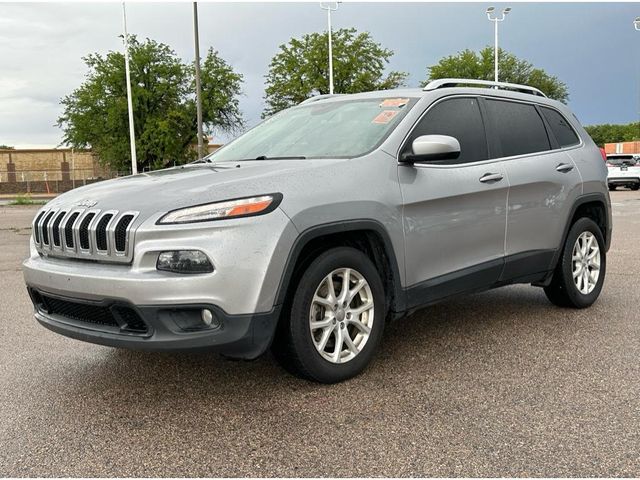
x: 604, y: 155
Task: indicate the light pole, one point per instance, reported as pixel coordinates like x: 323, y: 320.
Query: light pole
x: 198, y: 84
x: 636, y: 24
x: 495, y: 19
x: 132, y: 135
x: 330, y: 7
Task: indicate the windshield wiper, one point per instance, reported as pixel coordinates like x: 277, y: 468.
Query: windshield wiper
x: 264, y: 157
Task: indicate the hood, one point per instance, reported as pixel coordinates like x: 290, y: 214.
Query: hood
x: 188, y: 185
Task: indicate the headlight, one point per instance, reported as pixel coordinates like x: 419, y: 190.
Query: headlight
x: 184, y: 261
x: 240, y: 207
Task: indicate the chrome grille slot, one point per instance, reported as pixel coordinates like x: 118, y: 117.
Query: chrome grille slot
x: 101, y: 231
x: 121, y: 232
x: 55, y: 229
x: 84, y: 230
x: 100, y: 235
x: 68, y: 230
x: 36, y: 227
x: 45, y: 228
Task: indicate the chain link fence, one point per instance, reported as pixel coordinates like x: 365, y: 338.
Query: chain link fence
x: 51, y: 181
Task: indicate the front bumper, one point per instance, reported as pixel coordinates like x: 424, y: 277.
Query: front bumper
x: 248, y: 256
x: 118, y: 323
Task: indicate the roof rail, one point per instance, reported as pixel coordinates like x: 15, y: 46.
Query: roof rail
x: 320, y: 97
x: 453, y: 82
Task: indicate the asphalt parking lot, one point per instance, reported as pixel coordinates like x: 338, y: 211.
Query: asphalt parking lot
x: 496, y: 384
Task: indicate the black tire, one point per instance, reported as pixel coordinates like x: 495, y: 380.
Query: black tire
x: 294, y: 348
x: 635, y: 187
x: 563, y: 291
x: 612, y: 188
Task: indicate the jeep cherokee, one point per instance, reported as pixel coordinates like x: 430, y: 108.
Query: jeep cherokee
x: 310, y: 231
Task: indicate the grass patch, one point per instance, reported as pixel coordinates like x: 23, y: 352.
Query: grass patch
x: 26, y: 200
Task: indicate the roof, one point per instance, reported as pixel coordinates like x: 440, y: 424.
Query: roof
x: 453, y: 85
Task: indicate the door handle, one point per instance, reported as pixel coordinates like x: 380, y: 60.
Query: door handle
x: 564, y: 167
x: 491, y: 177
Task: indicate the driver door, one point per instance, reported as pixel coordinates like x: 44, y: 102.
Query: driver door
x: 454, y: 212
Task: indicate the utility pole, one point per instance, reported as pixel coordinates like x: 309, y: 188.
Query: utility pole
x: 330, y: 7
x: 132, y: 135
x: 496, y: 20
x: 636, y: 24
x: 198, y: 84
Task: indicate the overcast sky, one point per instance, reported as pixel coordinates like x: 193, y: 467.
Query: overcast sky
x: 592, y: 47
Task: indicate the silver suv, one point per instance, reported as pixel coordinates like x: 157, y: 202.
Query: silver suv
x: 313, y: 229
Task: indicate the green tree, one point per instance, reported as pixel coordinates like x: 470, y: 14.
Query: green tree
x: 6, y: 147
x: 301, y: 68
x: 611, y: 133
x: 480, y: 66
x: 164, y: 108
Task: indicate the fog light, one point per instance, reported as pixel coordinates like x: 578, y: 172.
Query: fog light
x: 184, y: 261
x: 207, y: 317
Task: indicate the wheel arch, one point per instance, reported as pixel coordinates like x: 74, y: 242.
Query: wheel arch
x: 594, y: 206
x: 367, y: 235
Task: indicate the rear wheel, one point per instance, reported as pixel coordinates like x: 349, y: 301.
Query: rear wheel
x: 635, y: 187
x: 612, y: 188
x: 336, y: 318
x: 579, y: 275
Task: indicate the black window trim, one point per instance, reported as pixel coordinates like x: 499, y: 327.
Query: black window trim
x: 493, y: 143
x: 483, y: 117
x: 553, y: 142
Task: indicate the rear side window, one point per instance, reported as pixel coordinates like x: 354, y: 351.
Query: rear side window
x: 560, y: 127
x: 459, y: 118
x: 519, y: 128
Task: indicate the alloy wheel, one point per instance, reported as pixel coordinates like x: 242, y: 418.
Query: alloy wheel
x: 586, y: 263
x: 341, y: 315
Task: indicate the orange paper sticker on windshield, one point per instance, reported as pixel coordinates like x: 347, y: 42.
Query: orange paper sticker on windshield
x: 394, y: 102
x: 385, y: 116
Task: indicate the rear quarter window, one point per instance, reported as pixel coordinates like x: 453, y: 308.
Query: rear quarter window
x: 560, y: 127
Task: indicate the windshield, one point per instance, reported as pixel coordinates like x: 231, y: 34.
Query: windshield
x: 319, y: 130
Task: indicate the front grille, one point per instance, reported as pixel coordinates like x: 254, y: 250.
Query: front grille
x: 119, y: 317
x: 89, y: 234
x: 80, y: 312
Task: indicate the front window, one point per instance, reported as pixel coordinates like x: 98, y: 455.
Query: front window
x: 335, y: 129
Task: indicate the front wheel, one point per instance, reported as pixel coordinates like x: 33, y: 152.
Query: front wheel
x: 612, y: 188
x: 336, y: 320
x: 635, y: 187
x: 579, y: 275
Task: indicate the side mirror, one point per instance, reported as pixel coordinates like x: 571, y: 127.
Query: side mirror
x: 428, y: 148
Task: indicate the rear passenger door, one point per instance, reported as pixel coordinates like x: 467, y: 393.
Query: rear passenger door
x: 544, y: 181
x: 454, y: 212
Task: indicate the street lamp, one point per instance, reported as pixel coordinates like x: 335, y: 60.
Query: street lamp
x: 493, y: 17
x: 636, y: 24
x: 330, y: 7
x: 198, y: 82
x: 132, y: 135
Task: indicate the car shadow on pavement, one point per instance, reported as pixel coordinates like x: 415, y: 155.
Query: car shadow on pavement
x: 417, y: 345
